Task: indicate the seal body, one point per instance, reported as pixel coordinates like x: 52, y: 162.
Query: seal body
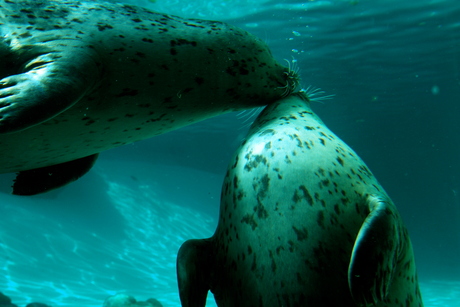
x: 303, y: 222
x: 78, y: 78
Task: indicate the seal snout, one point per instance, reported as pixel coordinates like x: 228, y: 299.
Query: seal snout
x: 291, y: 77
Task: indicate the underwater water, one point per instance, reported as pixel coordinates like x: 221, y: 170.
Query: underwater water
x: 394, y: 70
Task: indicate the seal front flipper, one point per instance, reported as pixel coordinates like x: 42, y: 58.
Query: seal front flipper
x: 36, y: 181
x: 45, y: 79
x: 375, y: 253
x: 194, y: 268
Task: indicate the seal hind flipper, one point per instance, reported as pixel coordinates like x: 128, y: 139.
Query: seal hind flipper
x: 374, y: 254
x: 43, y: 81
x: 194, y: 267
x: 48, y: 178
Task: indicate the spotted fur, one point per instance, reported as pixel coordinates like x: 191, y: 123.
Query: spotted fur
x: 303, y: 222
x: 78, y: 78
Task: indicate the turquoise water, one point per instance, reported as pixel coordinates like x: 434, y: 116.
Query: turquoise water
x: 394, y: 68
x: 118, y: 232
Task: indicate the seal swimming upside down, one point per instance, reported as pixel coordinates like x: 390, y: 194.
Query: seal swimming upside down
x: 303, y: 222
x: 78, y: 78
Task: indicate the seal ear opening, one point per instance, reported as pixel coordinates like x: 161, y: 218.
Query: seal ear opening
x: 376, y: 249
x: 194, y: 267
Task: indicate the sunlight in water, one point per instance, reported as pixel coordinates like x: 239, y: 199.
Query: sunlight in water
x: 70, y: 266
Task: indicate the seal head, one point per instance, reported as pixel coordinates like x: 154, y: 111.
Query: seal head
x: 79, y: 78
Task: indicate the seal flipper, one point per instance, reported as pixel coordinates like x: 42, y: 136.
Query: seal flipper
x: 194, y: 269
x: 40, y: 180
x: 47, y: 79
x: 374, y: 254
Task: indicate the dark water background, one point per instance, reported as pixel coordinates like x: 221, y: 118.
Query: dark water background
x: 394, y: 68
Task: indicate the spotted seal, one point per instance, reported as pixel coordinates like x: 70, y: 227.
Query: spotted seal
x: 303, y: 222
x: 78, y: 78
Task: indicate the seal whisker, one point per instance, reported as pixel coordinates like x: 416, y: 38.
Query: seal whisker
x: 316, y: 94
x: 248, y: 116
x: 292, y: 77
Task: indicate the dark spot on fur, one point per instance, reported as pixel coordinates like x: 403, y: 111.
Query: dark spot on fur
x: 199, y: 80
x: 306, y: 195
x: 147, y: 40
x: 273, y: 264
x: 103, y: 27
x: 127, y: 92
x: 90, y: 122
x: 279, y: 249
x: 230, y: 71
x: 181, y: 41
x: 324, y: 182
x: 254, y: 161
x: 287, y: 160
x: 336, y: 209
x: 249, y: 219
x: 254, y: 263
x: 320, y: 219
x: 156, y: 119
x: 340, y: 161
x: 292, y: 246
x: 193, y: 25
x: 260, y: 210
x: 302, y: 234
x: 244, y: 71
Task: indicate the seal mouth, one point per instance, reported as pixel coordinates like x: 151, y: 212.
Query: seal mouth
x: 291, y: 77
